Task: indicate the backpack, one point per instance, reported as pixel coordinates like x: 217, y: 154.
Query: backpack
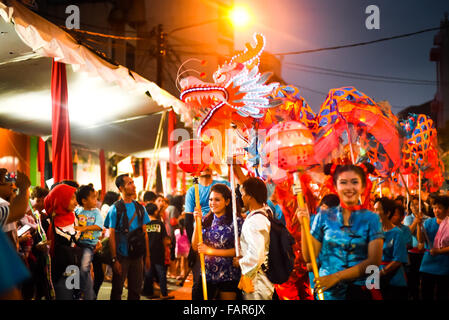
x: 281, y: 257
x: 135, y: 238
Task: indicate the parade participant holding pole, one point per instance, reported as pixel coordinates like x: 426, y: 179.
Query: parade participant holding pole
x: 206, y: 182
x: 435, y: 263
x: 393, y: 283
x: 414, y: 221
x: 218, y: 244
x: 346, y: 238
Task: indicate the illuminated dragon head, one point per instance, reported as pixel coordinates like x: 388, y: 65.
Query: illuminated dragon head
x: 238, y: 95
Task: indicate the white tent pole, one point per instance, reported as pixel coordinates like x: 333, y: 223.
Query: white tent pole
x: 234, y: 212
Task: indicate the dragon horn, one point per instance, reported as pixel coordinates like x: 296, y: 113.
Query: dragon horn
x: 251, y: 52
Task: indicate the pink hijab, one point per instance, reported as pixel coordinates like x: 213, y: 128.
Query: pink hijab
x: 442, y: 238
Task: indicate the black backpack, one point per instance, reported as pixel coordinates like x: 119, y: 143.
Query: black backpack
x: 281, y: 257
x: 135, y: 238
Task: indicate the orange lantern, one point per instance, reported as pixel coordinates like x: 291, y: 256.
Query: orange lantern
x: 289, y: 145
x: 193, y: 156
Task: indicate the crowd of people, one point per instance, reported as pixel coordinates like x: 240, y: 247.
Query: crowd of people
x: 63, y: 243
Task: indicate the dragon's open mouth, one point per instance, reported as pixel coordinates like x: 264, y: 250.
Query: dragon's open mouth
x: 203, y: 98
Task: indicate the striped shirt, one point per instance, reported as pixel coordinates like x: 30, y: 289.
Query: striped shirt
x: 4, y: 212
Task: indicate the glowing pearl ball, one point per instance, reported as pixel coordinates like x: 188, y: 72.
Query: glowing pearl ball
x: 193, y: 156
x: 289, y: 145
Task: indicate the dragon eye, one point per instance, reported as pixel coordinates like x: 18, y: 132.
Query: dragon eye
x: 220, y: 78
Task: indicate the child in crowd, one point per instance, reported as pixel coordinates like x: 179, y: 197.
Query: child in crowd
x: 182, y: 248
x: 90, y: 224
x: 157, y: 235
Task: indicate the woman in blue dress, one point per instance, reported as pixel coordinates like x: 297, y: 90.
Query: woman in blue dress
x: 434, y: 268
x: 414, y: 220
x: 219, y: 245
x: 393, y: 283
x: 346, y: 239
x: 397, y: 219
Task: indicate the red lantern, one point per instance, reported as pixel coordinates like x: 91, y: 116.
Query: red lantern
x: 193, y: 156
x: 289, y: 145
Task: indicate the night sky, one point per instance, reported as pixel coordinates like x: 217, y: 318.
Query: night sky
x: 295, y: 25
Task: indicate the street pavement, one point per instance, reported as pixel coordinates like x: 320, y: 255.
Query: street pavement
x: 180, y: 293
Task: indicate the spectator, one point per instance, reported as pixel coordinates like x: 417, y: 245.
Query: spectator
x: 218, y: 245
x: 12, y: 210
x: 109, y: 199
x: 156, y: 237
x: 60, y: 204
x: 13, y: 272
x: 140, y: 196
x: 71, y: 183
x: 174, y: 211
x: 90, y: 224
x: 182, y: 248
x: 40, y: 277
x: 99, y: 203
x: 27, y: 242
x: 37, y: 196
x: 125, y: 267
x: 149, y: 197
x: 161, y: 207
x: 254, y: 242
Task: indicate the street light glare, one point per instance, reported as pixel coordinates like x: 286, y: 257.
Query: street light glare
x: 240, y: 16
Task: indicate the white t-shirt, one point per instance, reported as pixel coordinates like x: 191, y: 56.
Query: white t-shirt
x: 104, y: 210
x: 254, y: 242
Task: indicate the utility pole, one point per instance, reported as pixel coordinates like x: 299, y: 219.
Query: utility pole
x: 161, y: 53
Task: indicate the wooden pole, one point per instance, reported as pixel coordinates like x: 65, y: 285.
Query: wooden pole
x: 200, y: 236
x: 380, y: 188
x: 234, y: 212
x: 350, y: 144
x: 230, y: 160
x: 421, y: 227
x: 419, y: 182
x: 305, y: 222
x: 406, y: 185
